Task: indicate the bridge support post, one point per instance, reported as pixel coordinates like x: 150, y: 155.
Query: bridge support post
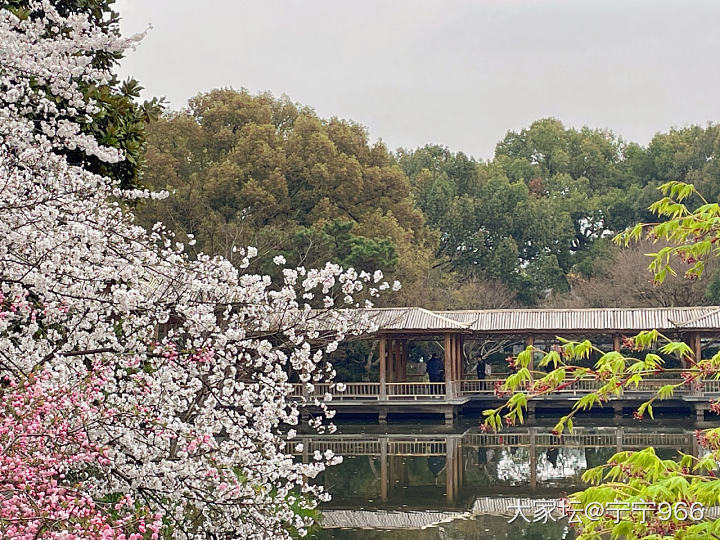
x: 619, y: 439
x: 617, y: 410
x: 699, y: 412
x: 616, y: 342
x: 449, y: 416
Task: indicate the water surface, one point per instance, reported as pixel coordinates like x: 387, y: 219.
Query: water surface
x: 428, y: 482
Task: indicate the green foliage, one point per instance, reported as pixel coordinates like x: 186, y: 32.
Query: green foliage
x: 539, y: 213
x: 255, y: 169
x: 258, y: 170
x: 688, y: 482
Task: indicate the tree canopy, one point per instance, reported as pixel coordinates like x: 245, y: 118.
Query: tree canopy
x: 534, y: 220
x: 265, y: 171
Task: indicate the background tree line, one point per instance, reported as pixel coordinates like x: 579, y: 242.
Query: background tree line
x: 529, y: 227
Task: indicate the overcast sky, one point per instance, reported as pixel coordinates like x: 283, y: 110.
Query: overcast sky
x: 458, y: 73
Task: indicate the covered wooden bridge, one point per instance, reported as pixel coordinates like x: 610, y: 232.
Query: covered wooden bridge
x: 400, y: 390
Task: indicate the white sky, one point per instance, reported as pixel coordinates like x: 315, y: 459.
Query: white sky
x: 458, y: 73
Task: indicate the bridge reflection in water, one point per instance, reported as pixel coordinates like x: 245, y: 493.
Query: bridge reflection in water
x: 416, y: 480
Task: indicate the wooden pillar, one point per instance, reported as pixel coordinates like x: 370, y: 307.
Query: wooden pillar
x: 458, y: 358
x: 697, y: 346
x: 393, y: 360
x: 529, y: 342
x: 616, y: 342
x: 383, y: 367
x: 452, y: 358
x: 694, y: 446
x: 458, y: 354
x: 390, y: 362
x: 306, y: 451
x: 398, y: 361
x: 448, y: 365
x: 619, y: 439
x: 447, y: 355
x: 403, y: 360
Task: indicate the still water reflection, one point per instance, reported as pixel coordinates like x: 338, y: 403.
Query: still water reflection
x: 427, y: 482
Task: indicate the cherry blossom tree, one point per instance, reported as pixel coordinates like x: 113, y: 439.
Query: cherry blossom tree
x: 144, y: 394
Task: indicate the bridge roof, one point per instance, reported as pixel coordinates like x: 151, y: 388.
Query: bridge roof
x: 412, y: 319
x: 415, y: 318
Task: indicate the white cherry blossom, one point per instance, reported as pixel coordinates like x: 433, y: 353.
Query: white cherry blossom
x: 193, y: 355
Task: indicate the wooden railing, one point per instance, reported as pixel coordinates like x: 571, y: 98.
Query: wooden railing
x: 710, y: 387
x: 413, y: 391
x: 648, y: 385
x: 350, y: 391
x: 416, y: 390
x: 424, y: 391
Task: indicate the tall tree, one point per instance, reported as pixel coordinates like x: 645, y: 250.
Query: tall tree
x: 490, y: 227
x: 265, y: 171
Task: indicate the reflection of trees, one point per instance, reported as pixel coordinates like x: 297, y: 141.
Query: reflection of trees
x: 595, y: 457
x: 356, y: 476
x: 568, y: 463
x: 512, y: 465
x: 480, y: 466
x: 419, y: 472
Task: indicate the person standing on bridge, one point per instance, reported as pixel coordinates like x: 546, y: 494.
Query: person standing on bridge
x: 480, y: 368
x: 436, y: 369
x: 481, y: 371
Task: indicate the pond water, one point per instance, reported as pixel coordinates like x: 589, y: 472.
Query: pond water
x: 428, y: 482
